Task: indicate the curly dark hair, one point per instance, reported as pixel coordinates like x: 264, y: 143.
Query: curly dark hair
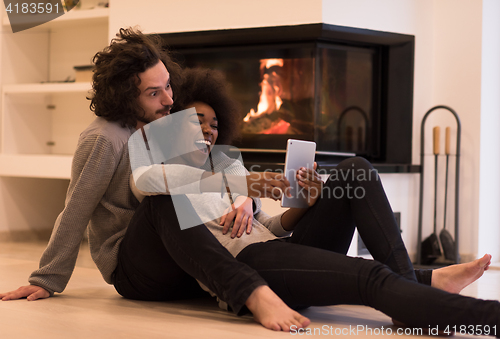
x: 115, y: 80
x: 210, y: 87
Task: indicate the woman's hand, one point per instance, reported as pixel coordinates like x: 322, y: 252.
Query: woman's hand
x: 240, y: 214
x: 31, y: 292
x: 310, y: 180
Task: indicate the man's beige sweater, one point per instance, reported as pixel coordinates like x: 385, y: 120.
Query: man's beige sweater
x: 99, y: 197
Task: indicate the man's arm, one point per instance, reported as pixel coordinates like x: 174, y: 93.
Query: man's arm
x: 267, y: 185
x: 31, y: 292
x: 90, y: 179
x: 94, y: 164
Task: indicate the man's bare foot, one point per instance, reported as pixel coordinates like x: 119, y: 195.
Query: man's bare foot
x: 272, y: 313
x: 455, y: 278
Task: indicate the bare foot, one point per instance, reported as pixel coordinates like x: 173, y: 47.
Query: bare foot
x: 270, y: 311
x: 454, y: 278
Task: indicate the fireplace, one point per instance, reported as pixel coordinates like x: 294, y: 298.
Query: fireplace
x: 350, y: 90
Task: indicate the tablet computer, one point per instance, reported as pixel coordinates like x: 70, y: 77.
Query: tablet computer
x: 299, y: 154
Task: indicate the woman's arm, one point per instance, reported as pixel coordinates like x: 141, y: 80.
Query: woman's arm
x: 310, y: 180
x: 291, y: 217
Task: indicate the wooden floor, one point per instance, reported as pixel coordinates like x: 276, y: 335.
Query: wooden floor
x: 89, y: 308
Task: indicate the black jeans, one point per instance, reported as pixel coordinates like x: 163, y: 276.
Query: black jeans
x: 311, y: 269
x: 157, y: 260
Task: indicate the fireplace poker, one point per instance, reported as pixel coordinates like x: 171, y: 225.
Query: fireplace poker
x: 435, y: 243
x: 446, y: 239
x: 431, y: 249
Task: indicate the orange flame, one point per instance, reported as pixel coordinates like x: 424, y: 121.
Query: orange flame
x: 270, y: 90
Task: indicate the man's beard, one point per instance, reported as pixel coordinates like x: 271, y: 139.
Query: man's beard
x: 143, y: 118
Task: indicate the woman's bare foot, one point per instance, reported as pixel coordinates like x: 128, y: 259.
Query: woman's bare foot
x: 270, y: 311
x: 454, y: 278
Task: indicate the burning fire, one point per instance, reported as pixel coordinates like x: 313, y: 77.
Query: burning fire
x: 270, y: 90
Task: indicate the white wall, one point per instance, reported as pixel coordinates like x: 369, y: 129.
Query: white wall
x: 489, y: 185
x: 457, y: 83
x: 191, y: 15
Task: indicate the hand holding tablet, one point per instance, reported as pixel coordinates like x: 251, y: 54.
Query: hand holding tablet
x: 299, y: 154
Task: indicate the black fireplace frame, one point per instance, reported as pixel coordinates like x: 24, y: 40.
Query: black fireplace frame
x: 396, y: 62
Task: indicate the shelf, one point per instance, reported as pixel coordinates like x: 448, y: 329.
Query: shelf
x: 73, y: 17
x: 36, y: 166
x: 85, y: 14
x: 47, y: 88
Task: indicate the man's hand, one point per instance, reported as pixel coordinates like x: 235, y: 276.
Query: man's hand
x: 31, y: 292
x: 310, y: 180
x: 267, y: 185
x: 241, y: 212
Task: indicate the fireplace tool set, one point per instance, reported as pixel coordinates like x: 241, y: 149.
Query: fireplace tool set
x: 429, y: 250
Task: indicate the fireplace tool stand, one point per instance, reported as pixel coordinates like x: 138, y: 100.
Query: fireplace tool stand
x: 433, y: 239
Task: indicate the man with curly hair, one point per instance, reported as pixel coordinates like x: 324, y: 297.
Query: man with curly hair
x: 98, y: 195
x: 134, y: 84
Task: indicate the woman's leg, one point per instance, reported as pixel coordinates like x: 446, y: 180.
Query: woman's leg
x: 157, y: 260
x: 308, y: 276
x: 353, y: 197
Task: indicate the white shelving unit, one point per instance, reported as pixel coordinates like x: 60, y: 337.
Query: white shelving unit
x: 36, y: 166
x: 72, y: 18
x: 44, y: 129
x: 47, y: 88
x: 42, y: 114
